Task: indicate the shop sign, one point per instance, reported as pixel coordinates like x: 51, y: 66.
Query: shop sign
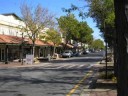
x: 29, y: 59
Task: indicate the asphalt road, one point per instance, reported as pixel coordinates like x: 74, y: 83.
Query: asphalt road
x: 57, y: 78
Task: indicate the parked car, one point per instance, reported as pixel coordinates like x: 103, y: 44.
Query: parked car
x: 86, y: 52
x: 67, y: 53
x: 76, y: 54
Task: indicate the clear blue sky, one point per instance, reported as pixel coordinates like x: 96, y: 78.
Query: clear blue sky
x: 54, y: 6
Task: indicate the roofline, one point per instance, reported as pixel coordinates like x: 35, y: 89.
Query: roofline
x: 7, y: 14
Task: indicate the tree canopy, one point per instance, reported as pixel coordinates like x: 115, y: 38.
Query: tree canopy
x: 53, y: 36
x: 97, y: 44
x: 85, y: 33
x: 68, y: 25
x: 102, y: 11
x: 74, y: 29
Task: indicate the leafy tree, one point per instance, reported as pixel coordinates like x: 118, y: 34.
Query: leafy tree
x: 102, y: 11
x: 53, y: 36
x: 97, y: 44
x: 35, y: 20
x: 68, y: 26
x: 75, y: 30
x: 85, y: 33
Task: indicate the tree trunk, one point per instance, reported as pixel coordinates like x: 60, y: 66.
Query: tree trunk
x: 54, y: 50
x: 33, y: 47
x: 122, y: 36
x: 65, y: 45
x: 33, y: 50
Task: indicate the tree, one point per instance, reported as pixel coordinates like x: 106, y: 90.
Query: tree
x: 121, y: 18
x: 35, y: 20
x: 68, y: 26
x: 75, y: 30
x: 85, y: 33
x: 102, y: 11
x: 97, y: 44
x: 53, y: 36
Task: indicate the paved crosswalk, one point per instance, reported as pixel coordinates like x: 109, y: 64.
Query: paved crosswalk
x: 65, y: 66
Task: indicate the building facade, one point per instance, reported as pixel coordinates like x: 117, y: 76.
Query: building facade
x: 13, y: 42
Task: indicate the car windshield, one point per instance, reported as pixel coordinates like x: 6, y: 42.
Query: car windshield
x: 66, y: 52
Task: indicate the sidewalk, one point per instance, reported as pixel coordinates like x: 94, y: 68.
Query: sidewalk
x: 102, y: 87
x: 16, y: 64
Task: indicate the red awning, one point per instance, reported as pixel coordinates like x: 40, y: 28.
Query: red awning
x: 68, y: 45
x: 10, y: 39
x: 7, y: 39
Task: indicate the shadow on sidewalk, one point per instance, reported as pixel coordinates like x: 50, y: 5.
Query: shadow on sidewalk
x: 105, y: 84
x: 101, y: 86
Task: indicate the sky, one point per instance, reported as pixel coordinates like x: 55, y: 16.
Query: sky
x: 54, y: 6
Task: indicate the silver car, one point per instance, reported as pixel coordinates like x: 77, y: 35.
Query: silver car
x: 67, y: 53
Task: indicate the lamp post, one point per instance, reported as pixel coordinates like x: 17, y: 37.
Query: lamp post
x: 22, y: 49
x: 106, y: 59
x: 106, y: 73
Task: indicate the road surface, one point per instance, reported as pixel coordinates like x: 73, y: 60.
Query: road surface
x: 58, y: 78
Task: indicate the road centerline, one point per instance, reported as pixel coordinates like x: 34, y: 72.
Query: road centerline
x: 78, y: 84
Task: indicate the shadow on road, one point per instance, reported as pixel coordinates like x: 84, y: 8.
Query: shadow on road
x: 63, y: 80
x: 89, y: 59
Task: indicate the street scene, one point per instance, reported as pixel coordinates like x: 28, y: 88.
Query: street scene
x: 63, y: 48
x: 56, y: 78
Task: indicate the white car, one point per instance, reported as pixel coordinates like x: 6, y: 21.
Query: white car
x: 67, y: 53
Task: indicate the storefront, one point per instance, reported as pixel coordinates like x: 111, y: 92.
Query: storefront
x: 13, y: 48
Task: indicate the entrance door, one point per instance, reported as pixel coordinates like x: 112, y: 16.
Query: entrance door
x: 2, y: 54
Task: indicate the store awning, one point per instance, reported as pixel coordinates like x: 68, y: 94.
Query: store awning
x: 68, y: 45
x: 37, y: 42
x: 7, y: 39
x: 10, y: 39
